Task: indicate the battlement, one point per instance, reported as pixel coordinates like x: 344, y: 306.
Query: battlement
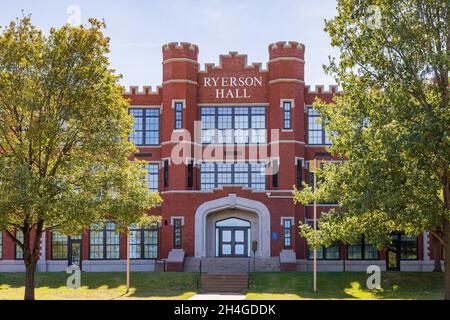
x: 183, y: 50
x: 320, y: 89
x: 287, y: 49
x: 146, y: 90
x: 225, y: 60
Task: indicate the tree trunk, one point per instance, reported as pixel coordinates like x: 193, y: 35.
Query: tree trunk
x: 446, y: 234
x: 437, y: 256
x: 30, y: 268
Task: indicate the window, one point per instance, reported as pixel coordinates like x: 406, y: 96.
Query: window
x: 178, y: 115
x: 152, y: 177
x: 275, y: 175
x: 166, y: 173
x: 287, y: 115
x: 143, y: 243
x: 19, y: 251
x: 190, y: 174
x: 330, y: 253
x: 238, y: 125
x: 177, y: 223
x: 316, y: 132
x: 104, y: 244
x: 59, y: 246
x: 409, y: 247
x: 217, y: 175
x: 299, y: 172
x: 362, y: 251
x: 146, y: 127
x: 287, y: 233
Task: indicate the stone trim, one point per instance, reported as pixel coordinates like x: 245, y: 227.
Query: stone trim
x: 180, y: 81
x: 177, y: 217
x: 286, y: 80
x: 233, y: 201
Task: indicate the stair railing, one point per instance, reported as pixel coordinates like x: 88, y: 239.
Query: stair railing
x: 248, y: 280
x: 199, y: 274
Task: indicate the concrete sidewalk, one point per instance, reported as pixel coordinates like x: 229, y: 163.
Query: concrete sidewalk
x: 218, y: 296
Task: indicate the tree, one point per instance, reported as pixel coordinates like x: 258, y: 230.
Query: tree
x: 391, y: 125
x: 63, y: 138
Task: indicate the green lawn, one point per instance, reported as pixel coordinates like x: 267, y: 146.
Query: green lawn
x: 350, y: 285
x: 180, y: 286
x: 102, y: 286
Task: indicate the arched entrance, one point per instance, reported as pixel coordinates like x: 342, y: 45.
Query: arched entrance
x: 225, y: 227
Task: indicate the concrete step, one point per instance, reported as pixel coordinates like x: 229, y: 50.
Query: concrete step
x: 231, y: 265
x: 224, y: 283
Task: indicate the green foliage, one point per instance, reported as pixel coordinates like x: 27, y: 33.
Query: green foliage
x: 392, y: 123
x: 64, y: 133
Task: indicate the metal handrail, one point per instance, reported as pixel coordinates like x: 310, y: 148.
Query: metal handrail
x: 199, y: 274
x: 248, y: 280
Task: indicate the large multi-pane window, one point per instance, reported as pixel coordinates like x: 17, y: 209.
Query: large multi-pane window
x: 238, y: 125
x: 152, y: 176
x: 59, y: 246
x: 248, y: 175
x: 146, y: 127
x: 143, y: 243
x: 332, y: 252
x: 104, y: 244
x: 287, y: 115
x: 362, y: 251
x: 178, y: 115
x: 19, y: 251
x: 326, y: 253
x: 316, y: 131
x: 409, y: 247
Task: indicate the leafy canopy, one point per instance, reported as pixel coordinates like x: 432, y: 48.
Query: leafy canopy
x: 391, y: 124
x: 64, y: 132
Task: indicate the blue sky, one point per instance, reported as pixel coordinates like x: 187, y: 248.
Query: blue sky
x: 139, y: 28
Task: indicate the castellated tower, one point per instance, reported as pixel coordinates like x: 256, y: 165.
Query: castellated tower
x: 286, y: 84
x: 180, y: 67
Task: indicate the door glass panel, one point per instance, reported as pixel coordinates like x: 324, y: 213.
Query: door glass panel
x: 392, y: 260
x: 226, y: 236
x: 239, y: 249
x: 226, y: 249
x: 76, y: 254
x: 239, y: 236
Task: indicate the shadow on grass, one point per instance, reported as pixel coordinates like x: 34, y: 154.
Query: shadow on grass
x: 107, y: 285
x: 349, y: 285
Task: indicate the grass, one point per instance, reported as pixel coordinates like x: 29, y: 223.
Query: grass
x: 350, y: 285
x: 181, y: 286
x: 102, y: 286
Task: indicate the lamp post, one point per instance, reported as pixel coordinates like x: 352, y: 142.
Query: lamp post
x: 128, y: 260
x: 313, y: 169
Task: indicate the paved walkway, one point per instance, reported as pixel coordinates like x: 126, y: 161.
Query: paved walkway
x: 217, y: 296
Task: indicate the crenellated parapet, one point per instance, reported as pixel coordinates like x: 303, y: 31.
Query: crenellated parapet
x: 145, y: 90
x: 233, y: 60
x: 180, y: 50
x: 287, y: 49
x: 320, y: 89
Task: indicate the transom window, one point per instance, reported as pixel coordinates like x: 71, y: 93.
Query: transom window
x: 234, y: 125
x: 104, y: 244
x: 233, y: 223
x: 143, y: 243
x: 316, y: 132
x: 217, y: 175
x: 146, y: 127
x: 152, y: 177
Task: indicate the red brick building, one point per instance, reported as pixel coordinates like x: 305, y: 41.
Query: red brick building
x: 225, y: 145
